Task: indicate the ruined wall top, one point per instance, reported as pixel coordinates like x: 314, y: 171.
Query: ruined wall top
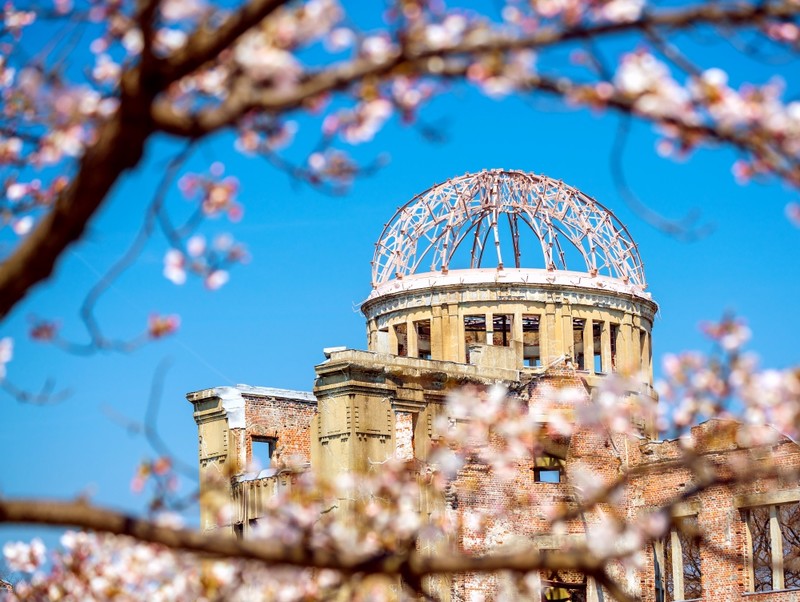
x: 504, y: 219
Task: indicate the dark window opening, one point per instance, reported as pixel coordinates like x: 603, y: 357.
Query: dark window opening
x: 789, y: 520
x: 689, y: 535
x: 597, y: 346
x: 668, y: 585
x: 262, y: 450
x: 758, y: 522
x: 531, y: 341
x: 767, y: 554
x: 474, y: 332
x: 401, y: 333
x: 423, y: 328
x: 501, y: 330
x: 238, y: 530
x: 578, y: 325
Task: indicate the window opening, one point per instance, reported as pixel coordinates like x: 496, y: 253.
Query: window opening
x: 644, y: 353
x: 789, y: 520
x: 423, y: 328
x: 548, y: 468
x: 501, y: 330
x: 238, y: 530
x: 474, y: 332
x: 677, y: 563
x: 563, y: 586
x: 262, y: 450
x: 761, y: 558
x: 774, y: 561
x: 531, y: 341
x: 401, y: 332
x: 578, y: 325
x: 383, y: 340
x: 597, y: 346
x: 614, y: 342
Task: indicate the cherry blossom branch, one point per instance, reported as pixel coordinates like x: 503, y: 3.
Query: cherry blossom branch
x: 119, y: 147
x: 407, y: 563
x: 206, y: 43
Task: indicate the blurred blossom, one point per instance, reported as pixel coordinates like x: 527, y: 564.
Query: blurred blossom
x: 23, y: 225
x: 160, y: 326
x: 216, y: 279
x: 44, y: 330
x: 23, y: 557
x: 6, y: 353
x: 196, y: 245
x: 730, y: 333
x: 175, y: 266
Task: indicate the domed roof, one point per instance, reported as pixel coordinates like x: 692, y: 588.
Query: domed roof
x: 505, y: 219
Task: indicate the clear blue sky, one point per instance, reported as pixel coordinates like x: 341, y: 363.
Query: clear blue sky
x: 311, y: 269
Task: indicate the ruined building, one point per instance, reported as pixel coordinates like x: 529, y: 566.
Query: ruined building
x: 470, y: 284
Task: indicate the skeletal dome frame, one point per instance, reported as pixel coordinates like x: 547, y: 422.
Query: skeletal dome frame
x: 468, y: 210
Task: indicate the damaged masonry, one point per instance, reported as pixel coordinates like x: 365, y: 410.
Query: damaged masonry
x: 455, y: 301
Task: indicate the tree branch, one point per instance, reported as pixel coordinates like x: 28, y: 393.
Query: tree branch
x: 86, y: 516
x: 206, y: 43
x: 119, y: 147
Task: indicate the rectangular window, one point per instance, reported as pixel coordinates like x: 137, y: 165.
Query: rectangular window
x: 262, y: 450
x: 578, y: 325
x: 548, y: 468
x: 614, y: 343
x: 789, y: 519
x: 423, y: 329
x: 564, y: 586
x: 531, y: 341
x: 774, y: 547
x: 474, y: 332
x: 677, y: 563
x: 597, y: 347
x: 501, y: 330
x: 761, y: 550
x: 401, y: 333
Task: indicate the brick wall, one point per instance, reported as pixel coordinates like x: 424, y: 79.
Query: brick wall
x: 286, y: 420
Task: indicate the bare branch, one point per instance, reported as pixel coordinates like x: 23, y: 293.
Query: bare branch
x: 685, y: 229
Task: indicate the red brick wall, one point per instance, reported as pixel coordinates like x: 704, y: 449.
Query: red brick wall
x: 288, y: 421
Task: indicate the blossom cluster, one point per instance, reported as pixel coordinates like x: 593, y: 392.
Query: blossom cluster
x: 730, y: 385
x: 91, y: 566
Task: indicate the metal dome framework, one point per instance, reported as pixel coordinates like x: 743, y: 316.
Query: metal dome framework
x: 468, y: 211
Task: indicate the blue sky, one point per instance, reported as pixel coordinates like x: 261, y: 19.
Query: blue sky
x: 311, y: 269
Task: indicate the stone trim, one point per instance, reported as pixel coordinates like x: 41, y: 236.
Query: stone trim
x: 768, y: 498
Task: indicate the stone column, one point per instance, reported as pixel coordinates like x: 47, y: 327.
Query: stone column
x: 605, y: 347
x: 219, y: 414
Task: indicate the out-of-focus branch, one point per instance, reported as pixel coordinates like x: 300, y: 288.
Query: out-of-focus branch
x: 98, y: 340
x: 685, y: 229
x: 206, y: 42
x: 85, y: 516
x: 119, y: 147
x: 46, y: 396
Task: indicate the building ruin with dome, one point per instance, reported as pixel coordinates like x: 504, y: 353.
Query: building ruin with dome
x: 511, y: 278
